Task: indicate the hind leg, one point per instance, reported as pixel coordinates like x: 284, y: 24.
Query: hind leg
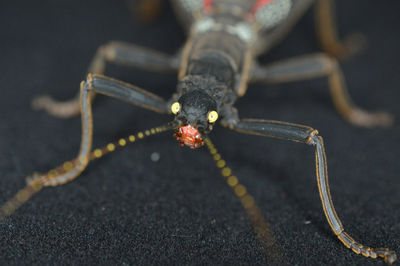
x: 327, y: 35
x: 146, y: 10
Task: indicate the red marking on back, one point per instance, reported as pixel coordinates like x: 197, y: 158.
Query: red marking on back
x: 189, y: 136
x: 259, y: 4
x: 207, y: 5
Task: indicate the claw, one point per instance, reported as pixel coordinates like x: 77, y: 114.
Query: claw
x: 388, y: 255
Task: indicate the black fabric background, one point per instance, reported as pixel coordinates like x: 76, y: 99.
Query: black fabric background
x: 127, y: 209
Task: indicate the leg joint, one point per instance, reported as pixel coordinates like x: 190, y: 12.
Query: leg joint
x: 313, y: 137
x: 330, y: 63
x: 88, y: 84
x: 107, y: 51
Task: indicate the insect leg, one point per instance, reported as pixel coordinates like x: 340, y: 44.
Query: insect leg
x: 115, y: 52
x: 145, y: 10
x: 327, y: 34
x: 112, y: 88
x: 308, y: 135
x: 36, y: 182
x: 316, y: 66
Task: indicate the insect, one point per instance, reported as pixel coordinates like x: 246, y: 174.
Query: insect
x: 200, y: 102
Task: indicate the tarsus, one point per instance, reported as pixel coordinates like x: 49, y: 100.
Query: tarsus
x: 36, y: 182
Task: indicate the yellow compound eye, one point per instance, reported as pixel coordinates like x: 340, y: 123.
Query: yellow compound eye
x: 212, y: 116
x: 175, y: 107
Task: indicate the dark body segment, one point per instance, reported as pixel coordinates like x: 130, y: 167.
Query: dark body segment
x: 217, y: 56
x: 215, y: 59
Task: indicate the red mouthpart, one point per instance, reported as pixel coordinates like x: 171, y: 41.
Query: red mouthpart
x: 189, y: 136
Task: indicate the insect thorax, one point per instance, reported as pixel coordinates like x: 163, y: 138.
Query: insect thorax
x: 265, y: 13
x: 229, y: 28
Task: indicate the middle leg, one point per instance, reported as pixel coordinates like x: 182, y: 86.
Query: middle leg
x: 317, y: 66
x: 115, y: 52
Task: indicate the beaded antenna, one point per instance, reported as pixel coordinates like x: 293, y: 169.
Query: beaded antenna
x: 272, y: 250
x: 37, y: 181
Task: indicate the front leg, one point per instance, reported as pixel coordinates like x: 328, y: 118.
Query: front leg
x: 69, y: 170
x: 317, y: 66
x: 110, y: 87
x: 308, y: 135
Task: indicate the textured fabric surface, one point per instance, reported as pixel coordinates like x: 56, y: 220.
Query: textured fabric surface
x: 127, y: 209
